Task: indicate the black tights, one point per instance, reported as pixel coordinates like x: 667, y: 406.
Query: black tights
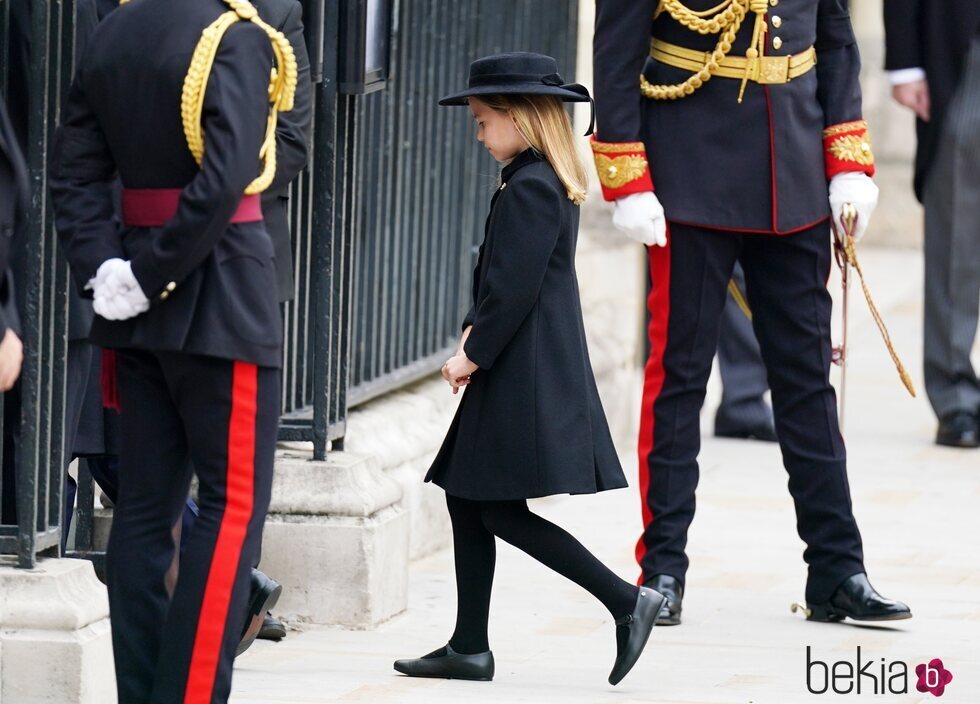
x: 475, y: 523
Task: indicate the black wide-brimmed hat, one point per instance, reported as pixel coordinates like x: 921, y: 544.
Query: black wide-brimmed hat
x: 519, y: 73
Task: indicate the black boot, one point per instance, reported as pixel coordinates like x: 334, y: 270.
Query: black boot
x: 673, y: 591
x: 448, y: 664
x: 856, y: 599
x: 959, y: 429
x: 630, y: 644
x: 272, y: 629
x: 263, y: 596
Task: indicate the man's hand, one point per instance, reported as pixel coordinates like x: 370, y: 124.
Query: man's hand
x: 641, y: 217
x: 915, y: 96
x: 118, y: 295
x: 457, y: 371
x: 11, y: 357
x: 858, y: 189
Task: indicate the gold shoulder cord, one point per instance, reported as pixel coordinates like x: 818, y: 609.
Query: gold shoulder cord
x: 282, y: 87
x: 725, y: 19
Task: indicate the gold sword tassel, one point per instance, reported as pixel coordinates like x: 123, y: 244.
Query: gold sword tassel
x: 845, y: 241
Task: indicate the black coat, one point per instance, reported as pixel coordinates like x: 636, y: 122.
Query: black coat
x: 292, y: 139
x: 116, y: 119
x: 13, y: 210
x: 530, y: 422
x: 934, y: 35
x: 758, y: 166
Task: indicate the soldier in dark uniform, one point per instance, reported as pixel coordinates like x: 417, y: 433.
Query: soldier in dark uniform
x: 185, y: 293
x: 933, y: 60
x: 746, y: 116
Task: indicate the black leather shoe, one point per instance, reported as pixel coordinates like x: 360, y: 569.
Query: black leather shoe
x: 448, y: 664
x: 856, y: 599
x: 630, y: 644
x: 764, y: 432
x: 960, y: 429
x: 272, y: 629
x: 673, y: 591
x: 263, y: 596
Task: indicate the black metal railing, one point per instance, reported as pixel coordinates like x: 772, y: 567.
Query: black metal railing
x: 385, y: 220
x: 422, y: 183
x: 31, y: 524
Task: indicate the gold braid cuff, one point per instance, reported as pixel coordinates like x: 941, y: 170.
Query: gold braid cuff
x: 847, y: 147
x: 282, y: 87
x: 622, y: 168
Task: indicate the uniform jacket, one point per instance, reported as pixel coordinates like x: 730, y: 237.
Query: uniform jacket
x: 530, y: 422
x: 934, y: 35
x: 757, y: 166
x: 224, y: 301
x: 292, y: 138
x: 13, y: 210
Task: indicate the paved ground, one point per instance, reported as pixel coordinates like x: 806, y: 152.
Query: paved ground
x: 917, y: 506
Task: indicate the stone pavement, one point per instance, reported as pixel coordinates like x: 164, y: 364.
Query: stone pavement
x: 917, y: 506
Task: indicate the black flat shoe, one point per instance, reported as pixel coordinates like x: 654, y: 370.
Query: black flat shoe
x: 448, y: 664
x: 263, y: 596
x: 272, y: 629
x: 763, y: 432
x: 673, y: 591
x: 638, y: 625
x: 856, y: 599
x: 960, y: 429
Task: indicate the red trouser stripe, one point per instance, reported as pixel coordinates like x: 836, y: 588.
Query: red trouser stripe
x: 653, y: 379
x: 231, y: 536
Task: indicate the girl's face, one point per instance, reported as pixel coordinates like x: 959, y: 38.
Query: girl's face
x: 497, y: 131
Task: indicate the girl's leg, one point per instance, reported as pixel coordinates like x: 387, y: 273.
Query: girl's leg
x: 552, y: 546
x: 475, y: 555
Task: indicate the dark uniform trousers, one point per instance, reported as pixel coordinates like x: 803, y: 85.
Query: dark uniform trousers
x: 222, y: 415
x: 785, y: 279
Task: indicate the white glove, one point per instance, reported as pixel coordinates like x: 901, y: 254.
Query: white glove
x: 118, y: 295
x: 858, y: 189
x: 641, y: 217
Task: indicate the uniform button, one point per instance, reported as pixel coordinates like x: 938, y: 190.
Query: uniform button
x: 612, y: 171
x: 774, y: 2
x: 777, y: 21
x: 777, y: 43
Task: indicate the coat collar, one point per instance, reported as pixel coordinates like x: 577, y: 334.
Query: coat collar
x: 528, y: 156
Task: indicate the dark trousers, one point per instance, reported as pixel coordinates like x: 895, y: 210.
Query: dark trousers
x: 743, y: 374
x: 220, y: 416
x: 83, y: 395
x: 952, y: 251
x: 786, y: 288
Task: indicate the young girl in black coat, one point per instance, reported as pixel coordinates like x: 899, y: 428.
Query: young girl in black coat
x: 530, y: 422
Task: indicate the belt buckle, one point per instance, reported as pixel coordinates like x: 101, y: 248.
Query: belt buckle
x: 774, y: 69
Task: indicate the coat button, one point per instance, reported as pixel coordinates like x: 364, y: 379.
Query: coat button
x: 777, y: 21
x: 774, y: 2
x: 777, y: 43
x: 168, y: 289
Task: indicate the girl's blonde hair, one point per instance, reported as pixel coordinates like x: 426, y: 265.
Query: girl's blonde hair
x: 543, y: 122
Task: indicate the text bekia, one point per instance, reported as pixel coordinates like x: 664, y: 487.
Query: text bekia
x: 873, y: 676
